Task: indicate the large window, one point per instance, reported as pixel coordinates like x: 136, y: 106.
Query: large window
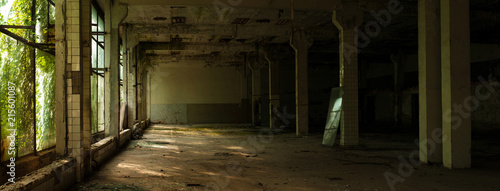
x: 29, y: 73
x: 97, y: 78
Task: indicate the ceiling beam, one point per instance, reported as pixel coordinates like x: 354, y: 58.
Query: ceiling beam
x: 213, y: 29
x: 202, y: 47
x: 155, y: 33
x: 202, y: 57
x: 324, y: 5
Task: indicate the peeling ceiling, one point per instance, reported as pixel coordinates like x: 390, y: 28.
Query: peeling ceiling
x: 202, y: 28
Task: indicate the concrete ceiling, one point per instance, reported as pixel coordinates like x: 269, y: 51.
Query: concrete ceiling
x: 178, y: 33
x: 155, y: 23
x: 171, y: 30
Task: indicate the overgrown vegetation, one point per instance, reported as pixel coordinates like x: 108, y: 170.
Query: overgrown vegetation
x: 16, y: 67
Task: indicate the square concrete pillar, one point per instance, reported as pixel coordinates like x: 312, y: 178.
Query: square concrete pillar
x: 148, y: 99
x: 86, y: 64
x: 274, y: 92
x: 455, y: 71
x: 256, y: 95
x: 115, y: 13
x: 301, y: 43
x: 139, y: 84
x: 347, y: 18
x: 124, y: 96
x: 349, y: 82
x: 73, y: 83
x: 60, y: 85
x: 131, y: 86
x: 429, y: 76
x: 144, y: 93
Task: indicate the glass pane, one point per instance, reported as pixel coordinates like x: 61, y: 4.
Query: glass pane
x: 94, y: 19
x: 94, y: 54
x: 101, y: 103
x: 93, y: 102
x: 100, y: 38
x: 100, y: 57
x: 52, y: 12
x: 42, y: 21
x: 24, y: 101
x: 45, y: 101
x: 12, y: 63
x: 101, y: 25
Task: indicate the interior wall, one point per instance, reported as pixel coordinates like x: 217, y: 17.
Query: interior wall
x: 196, y: 94
x: 485, y: 72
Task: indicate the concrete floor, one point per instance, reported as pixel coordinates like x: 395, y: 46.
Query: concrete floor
x: 235, y: 157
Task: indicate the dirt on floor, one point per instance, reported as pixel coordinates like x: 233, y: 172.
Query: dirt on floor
x: 241, y: 157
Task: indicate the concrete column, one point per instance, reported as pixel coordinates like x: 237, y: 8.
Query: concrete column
x: 301, y: 42
x: 429, y: 76
x: 148, y: 99
x: 86, y: 64
x: 61, y: 88
x: 131, y: 88
x: 347, y: 18
x: 114, y: 15
x: 256, y: 95
x: 130, y: 71
x: 125, y: 52
x: 73, y: 83
x: 141, y: 62
x: 139, y: 84
x: 274, y: 92
x: 455, y: 71
x: 349, y: 83
x: 144, y: 94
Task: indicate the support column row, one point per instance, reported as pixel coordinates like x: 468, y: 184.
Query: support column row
x: 444, y: 77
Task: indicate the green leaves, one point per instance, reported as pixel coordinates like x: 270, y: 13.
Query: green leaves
x: 16, y: 67
x: 1, y: 19
x: 3, y: 2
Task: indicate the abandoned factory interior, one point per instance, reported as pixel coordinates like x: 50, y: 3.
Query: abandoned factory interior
x: 339, y: 95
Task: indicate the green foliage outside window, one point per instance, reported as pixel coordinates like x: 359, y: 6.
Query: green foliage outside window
x: 16, y: 67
